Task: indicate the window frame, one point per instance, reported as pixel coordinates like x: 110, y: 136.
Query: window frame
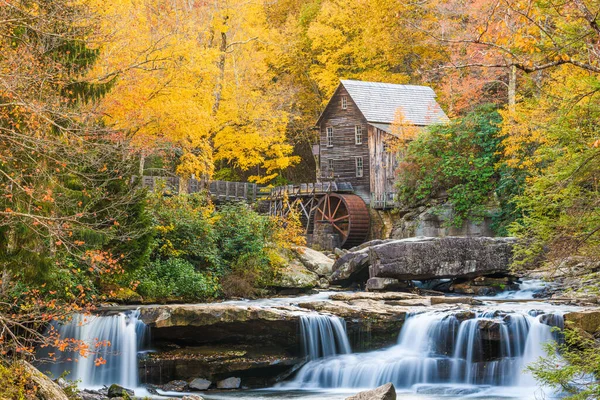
x: 360, y: 170
x: 329, y: 136
x: 330, y: 166
x: 344, y: 102
x: 358, y: 136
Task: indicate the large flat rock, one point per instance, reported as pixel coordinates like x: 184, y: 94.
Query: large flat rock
x: 448, y: 257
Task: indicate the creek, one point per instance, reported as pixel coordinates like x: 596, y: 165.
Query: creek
x: 447, y: 353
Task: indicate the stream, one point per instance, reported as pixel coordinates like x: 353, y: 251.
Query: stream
x: 439, y: 354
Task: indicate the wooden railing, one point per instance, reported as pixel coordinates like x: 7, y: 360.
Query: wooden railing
x: 219, y: 190
x: 309, y: 189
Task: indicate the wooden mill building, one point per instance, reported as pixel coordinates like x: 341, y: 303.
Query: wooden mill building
x: 354, y: 130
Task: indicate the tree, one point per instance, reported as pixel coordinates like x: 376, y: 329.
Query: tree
x: 67, y: 205
x: 194, y: 76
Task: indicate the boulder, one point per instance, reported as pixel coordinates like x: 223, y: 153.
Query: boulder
x: 46, y: 388
x: 385, y: 284
x: 116, y: 391
x: 385, y: 392
x: 259, y: 365
x: 229, y: 383
x: 315, y: 261
x: 351, y: 267
x: 295, y: 276
x: 588, y: 321
x: 199, y: 384
x: 192, y: 397
x: 447, y: 257
x: 175, y: 386
x: 87, y: 394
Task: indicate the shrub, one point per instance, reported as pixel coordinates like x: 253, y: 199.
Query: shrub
x: 459, y: 160
x: 175, y: 277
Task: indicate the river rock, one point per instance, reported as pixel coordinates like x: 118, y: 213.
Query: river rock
x: 385, y: 392
x: 447, y: 257
x: 315, y: 261
x: 588, y: 321
x: 47, y: 389
x: 351, y: 267
x: 229, y: 383
x: 385, y: 284
x: 295, y: 276
x: 116, y: 391
x: 199, y: 384
x: 87, y: 394
x: 454, y: 300
x: 192, y: 397
x: 175, y: 386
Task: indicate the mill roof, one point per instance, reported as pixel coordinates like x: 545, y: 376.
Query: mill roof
x: 379, y: 102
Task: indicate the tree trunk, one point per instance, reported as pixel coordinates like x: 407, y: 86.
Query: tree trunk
x: 512, y: 88
x: 142, y: 162
x: 221, y: 66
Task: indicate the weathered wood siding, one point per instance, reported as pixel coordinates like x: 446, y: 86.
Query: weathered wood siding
x: 345, y: 150
x: 383, y: 166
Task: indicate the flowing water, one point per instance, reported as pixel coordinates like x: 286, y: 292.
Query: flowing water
x: 449, y: 354
x: 438, y: 348
x: 123, y: 336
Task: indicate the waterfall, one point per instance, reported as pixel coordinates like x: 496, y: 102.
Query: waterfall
x: 323, y: 336
x: 124, y: 333
x: 442, y: 348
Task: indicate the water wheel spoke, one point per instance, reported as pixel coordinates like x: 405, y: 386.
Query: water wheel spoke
x: 341, y: 218
x: 344, y: 233
x: 336, y: 208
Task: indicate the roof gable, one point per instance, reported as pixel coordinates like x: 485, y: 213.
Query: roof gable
x: 378, y: 102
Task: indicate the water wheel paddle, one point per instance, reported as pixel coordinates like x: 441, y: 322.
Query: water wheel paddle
x: 348, y: 215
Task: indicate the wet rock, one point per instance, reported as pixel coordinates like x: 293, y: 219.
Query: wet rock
x: 446, y: 257
x: 199, y: 384
x: 221, y: 323
x: 373, y: 296
x: 468, y: 288
x: 464, y: 315
x: 295, y: 276
x: 175, y: 386
x: 588, y: 321
x: 323, y: 283
x: 351, y: 267
x: 314, y: 261
x: 258, y: 365
x: 455, y: 300
x: 87, y: 394
x: 385, y: 284
x: 192, y: 397
x: 47, y: 389
x: 116, y: 391
x: 385, y: 392
x: 489, y: 329
x: 229, y: 383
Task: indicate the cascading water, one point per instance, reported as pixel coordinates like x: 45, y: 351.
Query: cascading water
x: 124, y: 335
x: 443, y: 348
x: 323, y: 336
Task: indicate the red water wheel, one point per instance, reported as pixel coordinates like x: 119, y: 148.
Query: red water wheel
x: 348, y: 215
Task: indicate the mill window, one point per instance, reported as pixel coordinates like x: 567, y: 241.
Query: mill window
x: 329, y: 136
x: 359, y: 167
x: 344, y: 102
x: 358, y: 134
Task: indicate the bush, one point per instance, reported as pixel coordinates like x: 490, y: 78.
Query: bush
x: 459, y: 160
x: 175, y: 277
